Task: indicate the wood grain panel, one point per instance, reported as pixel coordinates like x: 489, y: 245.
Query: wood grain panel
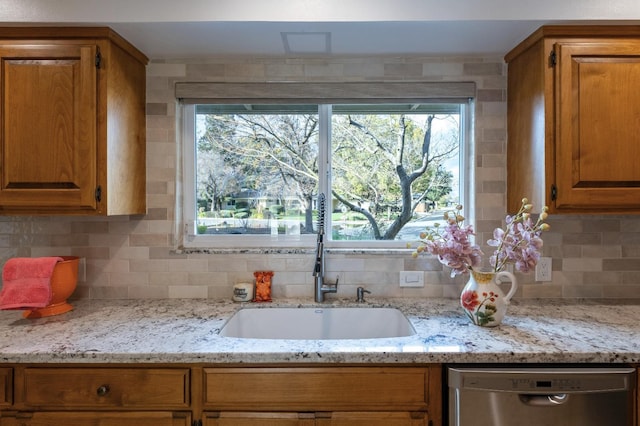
x: 317, y: 389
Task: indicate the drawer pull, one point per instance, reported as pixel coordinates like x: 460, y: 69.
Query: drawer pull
x: 103, y: 390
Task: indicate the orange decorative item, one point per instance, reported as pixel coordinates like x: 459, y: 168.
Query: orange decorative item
x: 263, y: 286
x: 63, y: 283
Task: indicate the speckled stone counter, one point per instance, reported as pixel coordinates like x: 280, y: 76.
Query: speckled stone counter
x: 186, y: 331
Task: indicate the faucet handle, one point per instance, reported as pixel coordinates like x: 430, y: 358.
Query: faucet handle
x: 360, y: 291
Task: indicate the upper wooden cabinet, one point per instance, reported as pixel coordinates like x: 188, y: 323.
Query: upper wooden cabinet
x: 573, y: 120
x: 72, y: 122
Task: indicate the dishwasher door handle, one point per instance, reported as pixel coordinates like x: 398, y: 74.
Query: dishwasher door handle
x: 548, y: 400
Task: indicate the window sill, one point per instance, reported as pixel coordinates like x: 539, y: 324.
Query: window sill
x: 294, y: 250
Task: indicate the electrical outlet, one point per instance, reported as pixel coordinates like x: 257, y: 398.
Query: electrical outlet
x: 411, y: 279
x: 543, y: 269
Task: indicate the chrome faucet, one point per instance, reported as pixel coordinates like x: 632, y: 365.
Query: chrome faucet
x: 360, y: 291
x: 321, y: 287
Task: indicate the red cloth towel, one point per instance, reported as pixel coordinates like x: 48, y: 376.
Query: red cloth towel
x: 27, y: 282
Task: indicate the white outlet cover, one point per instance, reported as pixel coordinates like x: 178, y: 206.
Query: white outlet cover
x: 543, y: 270
x: 411, y: 279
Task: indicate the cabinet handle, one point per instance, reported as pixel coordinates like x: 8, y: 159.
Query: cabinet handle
x: 103, y: 390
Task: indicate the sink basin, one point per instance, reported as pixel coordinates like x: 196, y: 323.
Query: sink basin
x: 317, y: 323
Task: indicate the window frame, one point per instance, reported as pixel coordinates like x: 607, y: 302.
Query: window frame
x: 324, y: 95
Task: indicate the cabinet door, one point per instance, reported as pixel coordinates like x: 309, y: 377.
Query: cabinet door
x: 89, y: 388
x: 255, y: 419
x: 598, y: 125
x: 48, y: 129
x: 373, y: 419
x: 97, y: 419
x: 6, y: 386
x: 316, y: 389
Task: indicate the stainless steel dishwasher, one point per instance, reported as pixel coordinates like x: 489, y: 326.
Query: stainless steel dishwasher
x: 541, y: 396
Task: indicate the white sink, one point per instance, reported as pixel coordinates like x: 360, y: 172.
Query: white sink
x: 317, y: 323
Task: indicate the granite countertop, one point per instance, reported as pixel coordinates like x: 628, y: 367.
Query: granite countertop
x: 186, y: 331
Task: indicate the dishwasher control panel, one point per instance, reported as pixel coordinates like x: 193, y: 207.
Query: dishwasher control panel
x: 544, y: 380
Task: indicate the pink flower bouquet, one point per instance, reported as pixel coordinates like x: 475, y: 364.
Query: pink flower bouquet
x: 518, y: 243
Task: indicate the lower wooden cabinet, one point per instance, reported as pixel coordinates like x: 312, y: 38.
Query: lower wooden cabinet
x: 219, y: 395
x: 95, y: 418
x: 254, y: 419
x: 322, y: 396
x: 141, y: 388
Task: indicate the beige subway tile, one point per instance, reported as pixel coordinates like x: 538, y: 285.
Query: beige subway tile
x: 108, y: 240
x: 583, y: 238
x: 165, y: 253
x: 128, y: 278
x: 426, y: 263
x: 582, y: 264
x: 621, y: 264
x: 284, y: 71
x: 582, y: 291
x: 271, y: 263
x: 431, y: 69
x: 157, y: 84
x: 419, y: 292
x: 453, y: 292
x: 383, y: 264
x: 295, y: 291
x: 630, y: 251
x: 188, y: 292
x: 622, y: 292
x: 71, y: 240
x: 301, y: 264
x: 602, y: 251
x: 364, y: 70
x: 115, y: 265
x: 166, y: 278
x: 630, y: 278
x: 148, y: 292
x: 148, y: 265
x: 158, y: 240
x: 190, y: 265
x: 157, y: 136
x: 155, y: 69
x: 227, y: 263
x: 603, y: 278
x: 102, y: 292
x: 220, y: 293
x: 291, y: 277
x: 206, y: 71
x: 541, y: 291
x: 323, y: 71
x: 82, y: 228
x: 220, y: 279
x: 129, y: 253
x: 236, y: 72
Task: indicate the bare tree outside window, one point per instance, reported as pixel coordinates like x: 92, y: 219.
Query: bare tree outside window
x: 258, y: 169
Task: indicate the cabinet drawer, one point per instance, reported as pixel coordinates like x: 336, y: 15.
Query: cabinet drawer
x: 106, y: 387
x: 87, y: 418
x: 6, y: 386
x: 316, y: 389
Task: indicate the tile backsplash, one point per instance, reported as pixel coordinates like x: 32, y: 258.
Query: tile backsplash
x: 134, y: 257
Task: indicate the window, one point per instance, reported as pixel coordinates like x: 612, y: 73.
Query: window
x: 387, y: 166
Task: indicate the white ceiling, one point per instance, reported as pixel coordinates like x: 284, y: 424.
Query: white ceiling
x: 193, y: 28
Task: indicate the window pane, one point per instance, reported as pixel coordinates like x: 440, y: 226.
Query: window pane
x: 257, y: 168
x: 393, y: 168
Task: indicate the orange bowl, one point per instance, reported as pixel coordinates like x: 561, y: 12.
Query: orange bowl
x: 63, y: 283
